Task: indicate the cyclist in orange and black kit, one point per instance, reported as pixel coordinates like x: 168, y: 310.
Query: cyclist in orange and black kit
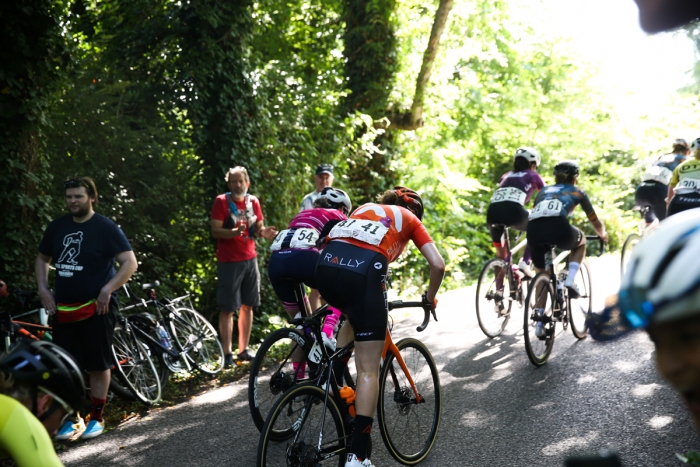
x: 654, y: 187
x: 549, y: 223
x: 351, y: 276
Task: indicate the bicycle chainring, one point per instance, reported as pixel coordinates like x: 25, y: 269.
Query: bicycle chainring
x: 301, y: 455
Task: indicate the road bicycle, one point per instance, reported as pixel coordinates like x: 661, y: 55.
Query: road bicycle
x: 500, y: 285
x: 549, y: 302
x: 633, y: 239
x: 133, y: 373
x: 313, y: 424
x: 272, y: 371
x: 175, y: 334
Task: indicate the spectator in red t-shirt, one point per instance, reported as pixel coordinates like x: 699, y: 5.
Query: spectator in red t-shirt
x: 236, y: 218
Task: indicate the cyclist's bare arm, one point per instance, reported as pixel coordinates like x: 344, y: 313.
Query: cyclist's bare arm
x: 669, y: 195
x: 437, y: 268
x: 41, y: 271
x: 600, y: 230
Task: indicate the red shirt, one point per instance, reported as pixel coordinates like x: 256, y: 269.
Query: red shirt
x: 403, y: 226
x: 239, y: 248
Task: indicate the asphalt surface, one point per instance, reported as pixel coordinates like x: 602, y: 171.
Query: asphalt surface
x: 498, y: 409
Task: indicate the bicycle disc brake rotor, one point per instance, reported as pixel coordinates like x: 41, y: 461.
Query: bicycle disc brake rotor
x: 280, y: 382
x: 403, y: 400
x: 301, y: 455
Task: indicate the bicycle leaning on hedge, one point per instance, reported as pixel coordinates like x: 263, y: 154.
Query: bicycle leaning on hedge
x: 549, y: 302
x: 311, y: 424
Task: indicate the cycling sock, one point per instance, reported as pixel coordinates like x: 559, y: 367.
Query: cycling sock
x: 526, y: 254
x: 331, y: 321
x: 299, y: 369
x: 98, y: 406
x: 291, y: 307
x: 573, y: 270
x: 360, y: 436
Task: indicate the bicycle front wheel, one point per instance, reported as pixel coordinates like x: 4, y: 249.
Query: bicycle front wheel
x: 539, y: 328
x: 312, y: 421
x: 627, y: 248
x: 272, y: 371
x: 580, y: 307
x: 409, y: 426
x: 492, y: 298
x: 134, y: 367
x: 198, y: 339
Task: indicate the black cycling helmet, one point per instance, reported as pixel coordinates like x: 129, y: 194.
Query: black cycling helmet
x: 413, y: 201
x: 47, y: 367
x: 570, y: 168
x: 680, y: 145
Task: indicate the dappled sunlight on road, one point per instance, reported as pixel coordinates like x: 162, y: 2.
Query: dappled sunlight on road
x: 645, y: 390
x: 222, y: 394
x: 660, y: 421
x: 569, y: 444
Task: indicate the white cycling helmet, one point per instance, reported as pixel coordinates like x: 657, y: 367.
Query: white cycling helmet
x: 528, y: 153
x: 662, y: 281
x: 695, y: 144
x: 337, y: 198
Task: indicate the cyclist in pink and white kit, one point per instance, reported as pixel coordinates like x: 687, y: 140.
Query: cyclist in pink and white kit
x: 294, y: 254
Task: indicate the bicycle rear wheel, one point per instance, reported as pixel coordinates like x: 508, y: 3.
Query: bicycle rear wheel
x: 627, y: 248
x: 539, y: 306
x: 311, y: 420
x: 409, y: 427
x: 198, y: 339
x: 580, y: 307
x: 135, y: 369
x: 272, y: 371
x: 492, y: 293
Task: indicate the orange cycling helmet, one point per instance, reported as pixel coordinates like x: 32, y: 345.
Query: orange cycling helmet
x: 413, y: 201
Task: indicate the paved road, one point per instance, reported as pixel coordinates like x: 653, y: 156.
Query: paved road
x: 498, y: 409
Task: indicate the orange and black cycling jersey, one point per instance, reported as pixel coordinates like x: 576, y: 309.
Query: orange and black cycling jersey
x: 402, y: 225
x: 570, y: 196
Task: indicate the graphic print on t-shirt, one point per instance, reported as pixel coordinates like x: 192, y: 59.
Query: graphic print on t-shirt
x: 67, y: 263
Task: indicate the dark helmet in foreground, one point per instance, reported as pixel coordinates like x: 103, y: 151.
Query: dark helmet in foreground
x: 570, y: 168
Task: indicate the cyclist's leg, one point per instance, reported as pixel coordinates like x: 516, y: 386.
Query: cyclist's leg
x: 495, y: 219
x: 282, y: 272
x: 577, y: 244
x: 647, y: 195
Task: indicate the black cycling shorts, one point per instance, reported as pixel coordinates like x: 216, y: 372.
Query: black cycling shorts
x: 89, y: 341
x: 652, y: 194
x: 288, y: 268
x: 683, y: 203
x: 505, y: 213
x: 353, y: 279
x: 544, y: 232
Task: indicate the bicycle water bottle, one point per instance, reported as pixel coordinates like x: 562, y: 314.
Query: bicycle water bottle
x: 348, y: 394
x: 163, y: 335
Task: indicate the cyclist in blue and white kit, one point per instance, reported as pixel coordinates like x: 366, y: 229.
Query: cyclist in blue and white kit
x: 655, y: 181
x: 507, y: 204
x: 549, y: 223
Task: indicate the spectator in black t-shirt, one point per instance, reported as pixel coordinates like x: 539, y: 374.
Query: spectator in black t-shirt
x: 83, y: 246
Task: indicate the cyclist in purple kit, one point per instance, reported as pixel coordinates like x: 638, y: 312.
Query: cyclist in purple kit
x: 507, y: 204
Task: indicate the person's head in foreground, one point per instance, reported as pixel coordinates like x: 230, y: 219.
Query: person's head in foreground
x: 45, y: 379
x: 662, y: 15
x: 660, y: 292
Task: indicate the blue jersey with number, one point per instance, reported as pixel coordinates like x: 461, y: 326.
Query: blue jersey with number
x: 569, y: 196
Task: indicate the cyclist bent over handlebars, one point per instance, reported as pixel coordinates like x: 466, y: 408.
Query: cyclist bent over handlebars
x: 351, y: 276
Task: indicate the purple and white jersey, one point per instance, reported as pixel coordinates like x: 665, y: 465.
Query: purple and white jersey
x: 526, y: 181
x: 305, y: 228
x: 316, y: 218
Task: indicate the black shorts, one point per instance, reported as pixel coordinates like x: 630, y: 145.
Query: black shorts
x: 652, y: 194
x: 353, y: 279
x: 291, y: 267
x: 683, y: 202
x: 505, y: 213
x: 89, y: 341
x: 544, y: 232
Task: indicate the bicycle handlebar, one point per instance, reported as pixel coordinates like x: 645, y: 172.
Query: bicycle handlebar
x: 427, y: 309
x: 601, y: 249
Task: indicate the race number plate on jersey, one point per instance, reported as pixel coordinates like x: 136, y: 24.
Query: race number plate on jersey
x: 509, y: 194
x: 302, y: 238
x: 687, y: 185
x: 547, y: 208
x: 659, y: 174
x: 370, y: 232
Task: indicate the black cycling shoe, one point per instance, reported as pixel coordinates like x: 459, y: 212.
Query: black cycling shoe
x: 245, y: 356
x: 573, y: 291
x: 228, y: 360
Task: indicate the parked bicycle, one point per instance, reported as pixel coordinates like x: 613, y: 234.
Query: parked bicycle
x: 548, y: 303
x: 633, y: 238
x: 314, y: 420
x: 273, y: 369
x: 500, y: 285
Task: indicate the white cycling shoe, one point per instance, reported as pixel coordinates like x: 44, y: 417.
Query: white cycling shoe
x: 353, y: 461
x: 525, y: 269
